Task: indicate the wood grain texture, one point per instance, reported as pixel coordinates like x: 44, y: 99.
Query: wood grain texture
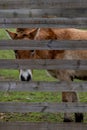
x: 43, y: 44
x: 43, y: 22
x: 41, y: 126
x: 43, y: 64
x: 43, y: 107
x: 55, y: 12
x: 16, y: 4
x: 42, y: 86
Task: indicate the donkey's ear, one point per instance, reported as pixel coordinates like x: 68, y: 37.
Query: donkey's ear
x: 12, y: 35
x: 34, y: 34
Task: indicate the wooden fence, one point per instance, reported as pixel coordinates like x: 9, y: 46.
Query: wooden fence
x: 69, y: 13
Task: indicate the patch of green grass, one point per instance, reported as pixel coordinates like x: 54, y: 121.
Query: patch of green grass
x: 42, y: 75
x: 7, y: 54
x: 30, y: 97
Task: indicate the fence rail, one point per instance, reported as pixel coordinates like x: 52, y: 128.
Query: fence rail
x: 41, y: 126
x: 58, y: 12
x: 43, y: 22
x: 43, y: 107
x: 42, y: 4
x: 43, y: 45
x: 42, y: 86
x: 43, y: 64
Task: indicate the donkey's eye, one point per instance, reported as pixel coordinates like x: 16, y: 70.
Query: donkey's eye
x: 16, y: 53
x: 31, y: 51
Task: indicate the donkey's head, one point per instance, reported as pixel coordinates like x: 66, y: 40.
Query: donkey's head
x: 30, y: 34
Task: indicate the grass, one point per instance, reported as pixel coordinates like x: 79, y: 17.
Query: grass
x: 29, y: 96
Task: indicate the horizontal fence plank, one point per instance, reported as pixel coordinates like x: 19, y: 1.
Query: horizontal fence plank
x: 49, y: 64
x: 42, y: 86
x: 59, y: 12
x: 43, y: 107
x: 41, y: 126
x: 43, y: 22
x: 42, y: 4
x: 43, y: 45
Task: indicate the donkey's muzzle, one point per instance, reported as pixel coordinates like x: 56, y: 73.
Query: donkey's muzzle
x: 25, y: 75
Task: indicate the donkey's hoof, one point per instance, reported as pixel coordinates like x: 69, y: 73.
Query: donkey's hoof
x: 67, y: 120
x: 78, y: 117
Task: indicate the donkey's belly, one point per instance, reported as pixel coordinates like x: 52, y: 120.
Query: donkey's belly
x: 82, y: 75
x: 68, y: 74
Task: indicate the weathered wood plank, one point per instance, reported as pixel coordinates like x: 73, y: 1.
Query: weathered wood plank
x: 59, y: 12
x: 16, y: 4
x: 41, y: 126
x: 43, y: 22
x: 43, y: 64
x: 43, y: 107
x: 42, y: 86
x: 43, y: 45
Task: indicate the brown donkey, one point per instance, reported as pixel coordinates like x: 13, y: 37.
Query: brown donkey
x: 62, y: 75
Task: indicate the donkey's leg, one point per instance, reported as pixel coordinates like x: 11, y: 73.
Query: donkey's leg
x: 67, y: 75
x: 71, y: 97
x: 67, y: 97
x: 78, y: 116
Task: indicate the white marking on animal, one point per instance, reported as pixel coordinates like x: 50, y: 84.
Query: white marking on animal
x: 25, y: 74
